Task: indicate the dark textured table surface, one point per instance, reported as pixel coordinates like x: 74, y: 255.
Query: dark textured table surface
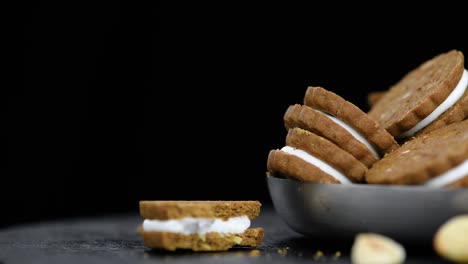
x: 113, y: 239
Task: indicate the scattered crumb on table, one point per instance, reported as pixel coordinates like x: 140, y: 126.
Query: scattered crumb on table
x: 254, y: 253
x: 318, y: 254
x: 283, y: 251
x: 337, y: 255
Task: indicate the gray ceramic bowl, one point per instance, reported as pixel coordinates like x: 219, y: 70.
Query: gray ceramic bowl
x: 406, y: 213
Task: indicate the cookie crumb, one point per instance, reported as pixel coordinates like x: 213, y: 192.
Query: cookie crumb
x: 318, y: 254
x: 283, y: 251
x: 254, y: 253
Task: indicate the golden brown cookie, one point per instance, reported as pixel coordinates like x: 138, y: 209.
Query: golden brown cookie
x: 368, y: 128
x: 327, y: 152
x: 209, y: 209
x: 199, y: 225
x: 415, y: 97
x: 309, y: 157
x: 454, y: 114
x: 438, y: 158
x: 285, y: 165
x: 321, y: 124
x: 208, y: 242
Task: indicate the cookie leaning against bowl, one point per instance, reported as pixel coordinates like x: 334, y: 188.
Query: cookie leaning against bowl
x: 363, y: 127
x: 431, y: 96
x: 436, y: 159
x: 309, y: 157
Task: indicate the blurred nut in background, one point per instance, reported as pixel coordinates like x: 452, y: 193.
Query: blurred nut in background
x: 451, y: 240
x: 375, y: 248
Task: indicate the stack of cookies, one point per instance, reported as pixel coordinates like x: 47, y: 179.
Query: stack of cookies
x: 330, y: 140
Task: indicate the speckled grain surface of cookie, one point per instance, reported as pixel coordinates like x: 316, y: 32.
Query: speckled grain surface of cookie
x: 329, y: 102
x: 328, y: 152
x: 456, y: 113
x: 418, y: 93
x: 286, y: 165
x: 307, y: 118
x: 424, y: 157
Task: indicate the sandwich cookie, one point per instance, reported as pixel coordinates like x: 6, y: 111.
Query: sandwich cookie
x: 309, y: 157
x: 429, y: 97
x: 199, y: 225
x: 456, y: 113
x: 332, y: 129
x: 361, y: 126
x: 436, y: 159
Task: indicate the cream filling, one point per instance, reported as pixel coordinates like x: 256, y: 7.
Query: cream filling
x: 450, y: 176
x: 454, y: 96
x: 353, y: 132
x: 317, y: 163
x: 190, y: 225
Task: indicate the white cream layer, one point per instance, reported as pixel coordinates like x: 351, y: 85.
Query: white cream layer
x: 450, y: 176
x: 353, y: 132
x: 190, y: 225
x: 452, y: 99
x: 317, y: 163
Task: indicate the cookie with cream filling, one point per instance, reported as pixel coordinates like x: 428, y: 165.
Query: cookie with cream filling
x: 309, y: 157
x: 436, y: 159
x: 429, y: 97
x: 199, y: 225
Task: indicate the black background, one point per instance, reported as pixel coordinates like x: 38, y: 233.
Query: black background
x: 113, y: 103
